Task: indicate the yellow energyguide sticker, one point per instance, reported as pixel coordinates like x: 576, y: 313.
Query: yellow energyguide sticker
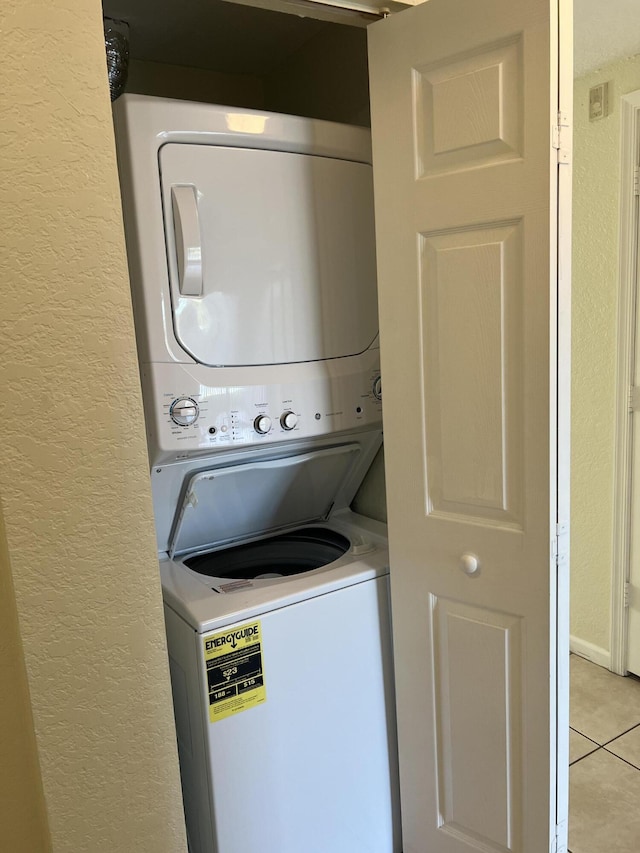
x: 235, y: 675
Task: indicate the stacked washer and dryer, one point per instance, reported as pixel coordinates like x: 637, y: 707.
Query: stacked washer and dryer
x: 251, y: 252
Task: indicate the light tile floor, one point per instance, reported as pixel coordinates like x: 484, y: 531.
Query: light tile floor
x: 604, y: 777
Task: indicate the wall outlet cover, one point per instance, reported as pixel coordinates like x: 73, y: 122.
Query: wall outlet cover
x: 599, y: 101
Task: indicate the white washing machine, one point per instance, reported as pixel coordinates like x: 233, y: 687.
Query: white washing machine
x: 251, y: 254
x: 286, y: 737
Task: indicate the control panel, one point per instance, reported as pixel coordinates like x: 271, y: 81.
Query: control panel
x: 188, y: 419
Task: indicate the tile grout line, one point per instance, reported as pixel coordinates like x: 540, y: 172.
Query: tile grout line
x: 582, y: 757
x: 596, y: 746
x: 635, y: 767
x: 622, y: 734
x: 571, y: 728
x: 607, y: 742
x: 608, y: 751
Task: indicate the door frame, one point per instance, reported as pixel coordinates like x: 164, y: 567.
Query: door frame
x: 563, y: 365
x: 623, y: 451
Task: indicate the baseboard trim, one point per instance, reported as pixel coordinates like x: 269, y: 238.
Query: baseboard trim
x: 590, y: 651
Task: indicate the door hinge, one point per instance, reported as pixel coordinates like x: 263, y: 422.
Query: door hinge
x: 636, y: 180
x: 634, y: 398
x: 559, y: 844
x: 561, y: 138
x: 626, y: 593
x: 560, y: 544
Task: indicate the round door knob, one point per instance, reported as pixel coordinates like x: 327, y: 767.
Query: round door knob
x: 288, y: 420
x: 184, y: 411
x: 262, y: 424
x: 469, y: 564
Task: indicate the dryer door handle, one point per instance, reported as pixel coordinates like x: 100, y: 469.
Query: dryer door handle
x: 184, y: 202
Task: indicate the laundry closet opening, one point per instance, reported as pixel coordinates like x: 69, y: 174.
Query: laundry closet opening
x: 222, y: 53
x: 239, y: 56
x: 247, y: 196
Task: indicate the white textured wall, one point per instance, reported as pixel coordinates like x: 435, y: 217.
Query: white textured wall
x: 73, y: 481
x: 595, y: 293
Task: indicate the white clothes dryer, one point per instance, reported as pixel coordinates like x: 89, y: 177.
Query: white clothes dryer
x: 251, y: 250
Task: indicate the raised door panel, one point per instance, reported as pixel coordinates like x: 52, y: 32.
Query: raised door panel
x: 471, y: 312
x: 466, y: 641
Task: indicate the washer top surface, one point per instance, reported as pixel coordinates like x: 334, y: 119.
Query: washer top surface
x: 208, y: 603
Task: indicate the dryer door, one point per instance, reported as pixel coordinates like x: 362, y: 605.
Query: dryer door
x: 271, y: 254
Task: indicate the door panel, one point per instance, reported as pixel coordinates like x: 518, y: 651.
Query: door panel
x: 468, y: 640
x: 471, y: 312
x: 468, y: 108
x: 464, y: 96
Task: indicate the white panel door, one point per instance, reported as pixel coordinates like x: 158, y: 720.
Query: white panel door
x: 464, y: 98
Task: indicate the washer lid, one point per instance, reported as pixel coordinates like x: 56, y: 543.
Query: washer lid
x: 223, y: 505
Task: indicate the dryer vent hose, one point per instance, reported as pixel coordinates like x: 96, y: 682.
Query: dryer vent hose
x: 116, y: 40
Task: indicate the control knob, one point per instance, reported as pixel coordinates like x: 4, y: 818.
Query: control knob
x: 262, y: 424
x: 184, y: 411
x: 377, y: 388
x: 288, y: 420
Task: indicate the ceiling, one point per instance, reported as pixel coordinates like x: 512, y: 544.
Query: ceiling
x: 211, y: 34
x: 605, y: 30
